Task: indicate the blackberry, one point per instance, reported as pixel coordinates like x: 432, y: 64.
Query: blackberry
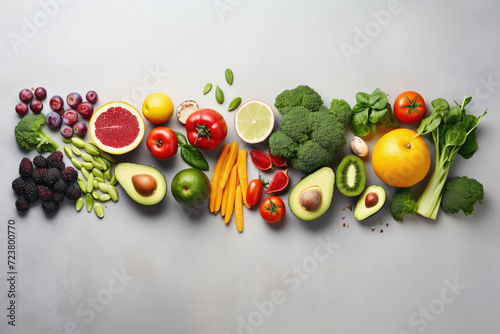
x: 25, y: 168
x: 55, y: 160
x: 73, y: 192
x: 44, y: 193
x: 50, y: 207
x: 51, y: 176
x: 60, y: 186
x: 38, y: 175
x: 22, y: 204
x: 40, y: 161
x: 58, y: 197
x: 69, y: 174
x: 18, y: 185
x: 31, y: 192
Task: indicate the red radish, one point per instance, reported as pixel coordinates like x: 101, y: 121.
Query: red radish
x: 278, y: 182
x: 261, y: 160
x: 278, y: 161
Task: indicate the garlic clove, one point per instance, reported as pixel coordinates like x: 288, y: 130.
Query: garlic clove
x: 359, y: 147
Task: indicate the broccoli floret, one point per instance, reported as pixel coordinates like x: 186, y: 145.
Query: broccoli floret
x: 310, y: 135
x: 311, y: 156
x: 461, y: 193
x: 282, y: 145
x: 327, y: 131
x: 342, y: 111
x: 298, y: 131
x: 403, y: 203
x: 29, y: 134
x: 299, y: 96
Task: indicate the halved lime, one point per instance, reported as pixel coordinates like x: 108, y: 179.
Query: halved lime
x: 254, y: 121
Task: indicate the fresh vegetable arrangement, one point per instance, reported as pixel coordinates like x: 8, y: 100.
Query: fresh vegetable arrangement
x: 308, y: 139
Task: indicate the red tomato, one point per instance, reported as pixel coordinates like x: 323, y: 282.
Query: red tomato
x: 206, y: 129
x: 409, y: 107
x: 254, y: 192
x: 272, y: 209
x: 162, y: 142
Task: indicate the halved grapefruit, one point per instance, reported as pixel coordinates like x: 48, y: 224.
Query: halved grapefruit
x: 116, y: 127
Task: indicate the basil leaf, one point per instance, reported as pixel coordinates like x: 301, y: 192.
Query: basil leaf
x: 359, y: 124
x: 193, y: 157
x: 181, y: 139
x: 378, y: 99
x: 362, y: 98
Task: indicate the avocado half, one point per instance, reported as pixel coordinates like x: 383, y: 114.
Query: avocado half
x: 144, y: 184
x: 365, y: 208
x: 311, y: 197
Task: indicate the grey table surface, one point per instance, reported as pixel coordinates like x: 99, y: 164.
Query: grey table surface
x: 168, y: 269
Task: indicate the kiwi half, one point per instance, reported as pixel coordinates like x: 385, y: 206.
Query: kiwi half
x: 350, y: 176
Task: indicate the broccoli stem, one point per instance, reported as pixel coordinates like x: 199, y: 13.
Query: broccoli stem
x: 46, y: 143
x: 428, y: 204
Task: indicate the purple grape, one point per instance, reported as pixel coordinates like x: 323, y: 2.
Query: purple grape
x: 80, y: 129
x: 66, y: 131
x: 91, y: 96
x: 86, y: 109
x: 73, y: 100
x: 53, y: 119
x: 70, y: 117
x: 56, y: 103
x: 26, y: 95
x: 40, y: 93
x: 22, y: 108
x: 36, y: 106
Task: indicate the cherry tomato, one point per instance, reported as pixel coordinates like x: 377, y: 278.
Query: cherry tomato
x: 162, y: 142
x: 254, y: 192
x: 272, y: 209
x: 206, y: 129
x: 409, y: 107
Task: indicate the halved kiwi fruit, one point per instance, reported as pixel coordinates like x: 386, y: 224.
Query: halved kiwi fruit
x: 350, y: 176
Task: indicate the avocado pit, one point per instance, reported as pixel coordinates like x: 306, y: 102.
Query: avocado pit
x: 371, y: 199
x: 310, y: 198
x: 144, y: 184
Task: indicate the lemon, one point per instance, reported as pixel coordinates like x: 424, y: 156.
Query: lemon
x: 254, y: 121
x: 158, y: 108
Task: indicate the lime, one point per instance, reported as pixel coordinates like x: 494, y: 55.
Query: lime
x: 254, y: 121
x: 190, y: 187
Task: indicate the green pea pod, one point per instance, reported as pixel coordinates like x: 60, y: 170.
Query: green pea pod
x: 208, y: 88
x: 219, y: 95
x: 193, y: 157
x: 229, y: 76
x: 234, y: 104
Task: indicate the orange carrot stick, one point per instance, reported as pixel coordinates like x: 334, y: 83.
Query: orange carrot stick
x: 214, y: 185
x: 238, y: 209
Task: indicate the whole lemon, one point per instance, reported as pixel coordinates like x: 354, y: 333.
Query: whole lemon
x: 158, y: 108
x: 400, y: 159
